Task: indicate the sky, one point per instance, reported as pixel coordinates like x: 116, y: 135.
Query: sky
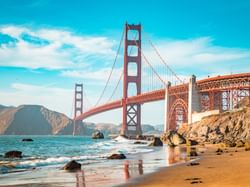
x: 46, y: 46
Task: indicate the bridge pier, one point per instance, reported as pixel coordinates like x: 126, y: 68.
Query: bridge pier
x: 193, y: 98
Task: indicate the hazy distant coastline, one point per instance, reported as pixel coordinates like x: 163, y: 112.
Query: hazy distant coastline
x: 38, y: 120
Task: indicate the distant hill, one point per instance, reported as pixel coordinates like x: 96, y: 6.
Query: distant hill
x: 34, y: 119
x: 38, y: 120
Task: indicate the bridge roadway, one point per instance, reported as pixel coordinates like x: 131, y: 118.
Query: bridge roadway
x: 218, y: 83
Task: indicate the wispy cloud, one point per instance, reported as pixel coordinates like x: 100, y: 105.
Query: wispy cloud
x: 48, y: 96
x: 52, y: 48
x: 197, y: 54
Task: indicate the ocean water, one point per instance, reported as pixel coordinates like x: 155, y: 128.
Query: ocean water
x: 55, y: 151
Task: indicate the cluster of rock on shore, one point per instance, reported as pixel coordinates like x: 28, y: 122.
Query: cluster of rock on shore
x: 231, y: 128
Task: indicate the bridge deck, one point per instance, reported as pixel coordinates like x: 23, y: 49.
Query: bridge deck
x: 219, y: 83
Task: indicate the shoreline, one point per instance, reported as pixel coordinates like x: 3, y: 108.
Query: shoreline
x: 107, y: 173
x: 227, y: 169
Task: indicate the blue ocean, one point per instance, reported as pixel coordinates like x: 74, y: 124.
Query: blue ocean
x: 47, y: 151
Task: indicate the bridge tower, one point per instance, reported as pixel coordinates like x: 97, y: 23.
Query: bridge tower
x: 78, y: 105
x: 131, y: 123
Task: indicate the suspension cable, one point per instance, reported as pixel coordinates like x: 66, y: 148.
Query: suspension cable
x: 113, y: 66
x: 162, y: 60
x: 115, y: 87
x: 121, y: 73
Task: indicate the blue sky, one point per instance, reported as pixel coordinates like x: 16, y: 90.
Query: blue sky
x: 48, y: 45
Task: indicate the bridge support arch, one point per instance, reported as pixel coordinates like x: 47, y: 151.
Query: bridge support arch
x: 131, y: 123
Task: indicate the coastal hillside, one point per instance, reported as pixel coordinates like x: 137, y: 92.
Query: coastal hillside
x: 229, y: 127
x: 34, y: 120
x: 38, y: 120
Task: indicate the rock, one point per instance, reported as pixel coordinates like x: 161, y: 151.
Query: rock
x: 117, y: 156
x: 193, y: 153
x: 191, y: 142
x: 27, y: 140
x: 240, y: 143
x: 173, y: 138
x: 97, y: 135
x: 13, y: 154
x: 138, y: 142
x: 219, y: 150
x: 139, y: 137
x: 156, y: 142
x: 247, y: 145
x: 229, y: 127
x: 229, y: 143
x: 72, y: 166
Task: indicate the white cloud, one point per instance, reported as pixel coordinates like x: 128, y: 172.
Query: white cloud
x: 97, y: 75
x: 197, y: 51
x: 64, y: 50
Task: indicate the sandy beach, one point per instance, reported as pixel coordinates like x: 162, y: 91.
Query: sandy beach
x: 230, y: 169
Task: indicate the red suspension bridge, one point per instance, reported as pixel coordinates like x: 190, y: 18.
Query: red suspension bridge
x: 184, y: 101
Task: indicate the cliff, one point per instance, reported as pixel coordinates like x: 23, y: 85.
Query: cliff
x: 230, y: 126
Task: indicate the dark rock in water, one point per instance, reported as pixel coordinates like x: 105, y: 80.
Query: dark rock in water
x: 13, y: 154
x: 72, y: 166
x: 173, y: 138
x: 97, y: 135
x: 117, y: 156
x: 138, y: 142
x: 27, y: 140
x: 156, y: 142
x: 139, y: 137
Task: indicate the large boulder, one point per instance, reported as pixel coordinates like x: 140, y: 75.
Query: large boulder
x: 156, y: 142
x: 173, y: 138
x: 117, y: 156
x: 13, y: 154
x: 72, y: 166
x: 97, y: 135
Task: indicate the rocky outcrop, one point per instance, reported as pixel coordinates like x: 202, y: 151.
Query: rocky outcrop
x: 13, y: 154
x: 173, y: 138
x: 117, y: 156
x: 156, y: 142
x: 231, y: 128
x: 97, y: 135
x: 72, y: 166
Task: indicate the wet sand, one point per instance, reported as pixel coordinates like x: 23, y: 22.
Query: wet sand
x: 229, y: 169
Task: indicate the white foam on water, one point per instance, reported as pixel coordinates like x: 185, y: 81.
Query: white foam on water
x: 103, y: 149
x: 51, y: 161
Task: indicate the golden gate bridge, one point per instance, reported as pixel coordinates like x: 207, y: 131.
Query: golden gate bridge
x: 143, y: 81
